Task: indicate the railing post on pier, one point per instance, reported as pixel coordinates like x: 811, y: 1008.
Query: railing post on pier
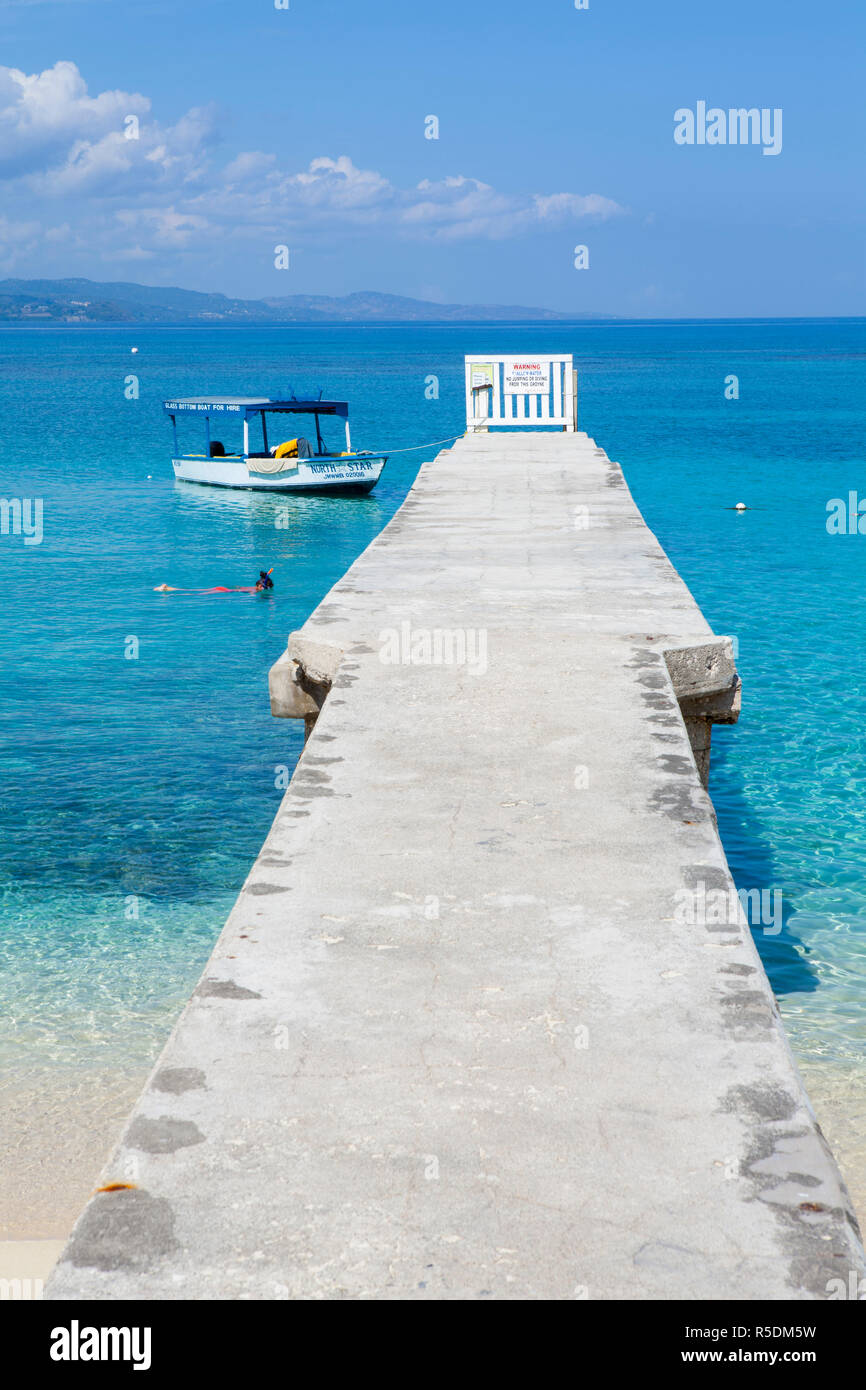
x: 481, y: 406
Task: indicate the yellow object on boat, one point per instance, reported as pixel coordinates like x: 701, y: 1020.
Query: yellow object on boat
x: 287, y: 450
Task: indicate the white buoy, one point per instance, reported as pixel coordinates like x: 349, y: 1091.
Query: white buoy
x: 133, y: 349
x: 149, y: 476
x: 741, y: 507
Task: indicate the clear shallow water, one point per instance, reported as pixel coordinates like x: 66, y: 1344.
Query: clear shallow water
x: 147, y: 786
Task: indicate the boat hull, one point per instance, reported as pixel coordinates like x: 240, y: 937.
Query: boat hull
x: 311, y: 475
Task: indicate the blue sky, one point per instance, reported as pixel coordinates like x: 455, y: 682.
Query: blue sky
x: 305, y: 127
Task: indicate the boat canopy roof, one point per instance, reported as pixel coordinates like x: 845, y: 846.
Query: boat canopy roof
x: 244, y: 406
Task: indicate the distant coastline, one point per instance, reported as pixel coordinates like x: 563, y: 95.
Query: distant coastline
x: 41, y: 308
x: 565, y: 322
x: 92, y: 302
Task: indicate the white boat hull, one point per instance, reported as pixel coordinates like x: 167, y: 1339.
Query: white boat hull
x: 333, y: 474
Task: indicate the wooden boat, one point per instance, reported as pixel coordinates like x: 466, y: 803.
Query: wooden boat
x: 295, y: 464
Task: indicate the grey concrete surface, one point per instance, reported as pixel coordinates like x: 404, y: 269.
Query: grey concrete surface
x: 463, y: 1036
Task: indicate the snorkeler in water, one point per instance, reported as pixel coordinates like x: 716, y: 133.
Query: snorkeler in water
x: 262, y: 584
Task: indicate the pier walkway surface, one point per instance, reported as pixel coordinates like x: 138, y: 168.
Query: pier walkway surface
x: 486, y: 1020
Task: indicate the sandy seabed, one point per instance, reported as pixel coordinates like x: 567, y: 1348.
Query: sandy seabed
x: 57, y: 1130
x: 838, y: 1096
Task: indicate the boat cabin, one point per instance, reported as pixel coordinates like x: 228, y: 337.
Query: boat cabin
x: 219, y: 412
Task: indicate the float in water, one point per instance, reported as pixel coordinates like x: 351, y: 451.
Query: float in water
x: 293, y: 464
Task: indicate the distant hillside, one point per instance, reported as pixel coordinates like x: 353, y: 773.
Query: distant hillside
x: 88, y: 301
x: 368, y: 306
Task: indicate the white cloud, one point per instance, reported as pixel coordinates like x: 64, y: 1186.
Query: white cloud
x: 46, y: 114
x: 167, y: 228
x: 129, y: 253
x: 114, y: 165
x: 337, y: 185
x: 248, y: 168
x: 564, y: 206
x: 166, y: 189
x: 458, y: 208
x: 18, y: 240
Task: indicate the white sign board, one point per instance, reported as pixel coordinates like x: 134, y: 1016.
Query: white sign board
x: 481, y: 374
x: 535, y: 392
x: 523, y: 375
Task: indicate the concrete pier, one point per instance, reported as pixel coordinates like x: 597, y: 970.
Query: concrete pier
x: 486, y: 1020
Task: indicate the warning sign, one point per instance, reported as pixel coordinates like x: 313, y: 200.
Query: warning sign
x: 525, y: 376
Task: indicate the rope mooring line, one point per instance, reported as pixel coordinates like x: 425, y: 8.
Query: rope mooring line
x: 412, y: 447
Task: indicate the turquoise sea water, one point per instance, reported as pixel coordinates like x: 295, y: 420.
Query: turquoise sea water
x: 137, y: 792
